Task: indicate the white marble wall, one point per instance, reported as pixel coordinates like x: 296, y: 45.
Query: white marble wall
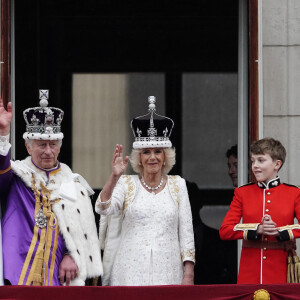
x: 281, y: 79
x: 100, y: 121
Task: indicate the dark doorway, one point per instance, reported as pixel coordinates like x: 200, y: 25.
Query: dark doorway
x: 56, y: 39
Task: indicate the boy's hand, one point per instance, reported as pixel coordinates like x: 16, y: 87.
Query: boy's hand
x: 268, y: 227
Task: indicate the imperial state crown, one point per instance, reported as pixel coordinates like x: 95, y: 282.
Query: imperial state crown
x: 43, y: 122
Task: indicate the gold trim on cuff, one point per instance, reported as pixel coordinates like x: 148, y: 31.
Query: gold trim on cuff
x: 289, y: 227
x: 104, y: 205
x: 189, y: 253
x: 244, y: 227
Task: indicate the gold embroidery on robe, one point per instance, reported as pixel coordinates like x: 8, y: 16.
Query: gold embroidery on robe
x: 38, y: 273
x: 5, y: 171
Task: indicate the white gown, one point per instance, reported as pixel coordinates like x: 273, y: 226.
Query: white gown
x: 156, y: 234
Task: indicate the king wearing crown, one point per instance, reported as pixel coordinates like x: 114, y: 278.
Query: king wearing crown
x: 49, y: 235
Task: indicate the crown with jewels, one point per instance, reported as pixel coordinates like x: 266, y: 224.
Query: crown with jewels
x: 43, y: 122
x: 152, y: 130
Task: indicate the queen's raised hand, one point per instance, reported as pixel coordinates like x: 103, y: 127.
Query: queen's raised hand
x: 119, y: 164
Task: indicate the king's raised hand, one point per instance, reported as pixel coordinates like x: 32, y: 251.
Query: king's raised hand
x: 5, y: 118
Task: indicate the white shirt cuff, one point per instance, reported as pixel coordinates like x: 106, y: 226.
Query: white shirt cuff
x: 101, y: 206
x: 4, y: 145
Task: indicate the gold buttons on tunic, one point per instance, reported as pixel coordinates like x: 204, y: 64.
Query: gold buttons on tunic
x: 265, y: 249
x: 267, y: 210
x: 268, y: 193
x: 266, y: 239
x: 264, y: 257
x: 269, y: 201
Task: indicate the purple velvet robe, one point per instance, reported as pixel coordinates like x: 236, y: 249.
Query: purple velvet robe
x: 18, y: 224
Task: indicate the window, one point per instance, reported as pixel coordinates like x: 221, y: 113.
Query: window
x: 102, y: 108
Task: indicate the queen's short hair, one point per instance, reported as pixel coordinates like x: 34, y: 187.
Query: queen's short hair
x: 170, y: 159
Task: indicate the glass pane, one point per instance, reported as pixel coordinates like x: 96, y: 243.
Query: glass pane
x: 209, y: 127
x: 210, y: 111
x: 103, y: 105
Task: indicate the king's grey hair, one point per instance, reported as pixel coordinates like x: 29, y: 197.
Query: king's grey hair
x: 29, y: 142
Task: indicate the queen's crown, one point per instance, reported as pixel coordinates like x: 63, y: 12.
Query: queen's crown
x: 152, y: 130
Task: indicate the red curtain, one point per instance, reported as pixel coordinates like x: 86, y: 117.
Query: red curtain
x: 218, y: 292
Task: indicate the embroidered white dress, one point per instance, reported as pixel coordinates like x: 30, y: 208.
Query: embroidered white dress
x: 156, y: 237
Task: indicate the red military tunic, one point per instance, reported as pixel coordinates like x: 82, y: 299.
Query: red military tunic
x: 251, y: 202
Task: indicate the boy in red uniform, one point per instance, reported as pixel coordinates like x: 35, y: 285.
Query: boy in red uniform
x: 267, y: 209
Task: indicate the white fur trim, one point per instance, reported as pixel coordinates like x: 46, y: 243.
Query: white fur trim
x: 4, y: 145
x: 25, y: 168
x: 77, y: 225
x: 68, y: 191
x: 152, y: 144
x: 78, y: 177
x: 43, y: 136
x: 76, y: 282
x: 75, y: 218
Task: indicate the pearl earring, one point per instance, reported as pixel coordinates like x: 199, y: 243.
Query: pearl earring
x: 140, y: 164
x: 164, y: 163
